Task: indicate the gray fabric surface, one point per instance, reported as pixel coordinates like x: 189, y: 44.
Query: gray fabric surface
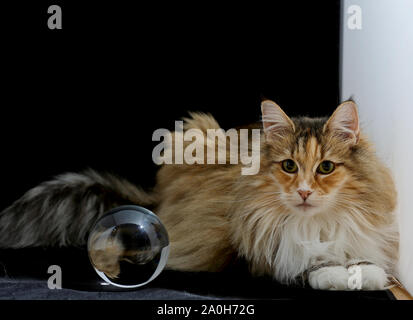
x: 24, y: 274
x: 33, y: 289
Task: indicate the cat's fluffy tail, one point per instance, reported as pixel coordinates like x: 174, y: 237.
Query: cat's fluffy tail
x: 60, y: 212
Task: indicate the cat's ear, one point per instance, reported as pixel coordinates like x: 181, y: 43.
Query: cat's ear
x: 275, y: 121
x: 344, y: 122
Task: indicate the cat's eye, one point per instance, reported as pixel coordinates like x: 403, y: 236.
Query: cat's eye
x: 289, y: 166
x: 326, y: 167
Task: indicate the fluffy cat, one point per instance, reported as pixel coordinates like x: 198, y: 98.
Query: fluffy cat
x: 321, y: 202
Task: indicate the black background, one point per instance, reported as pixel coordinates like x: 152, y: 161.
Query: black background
x: 91, y: 94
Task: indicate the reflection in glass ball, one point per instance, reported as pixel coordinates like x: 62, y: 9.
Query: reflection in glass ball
x: 128, y: 246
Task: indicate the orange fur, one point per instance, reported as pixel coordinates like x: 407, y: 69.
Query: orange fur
x: 213, y: 214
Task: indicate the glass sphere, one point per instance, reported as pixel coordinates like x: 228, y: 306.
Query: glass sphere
x: 128, y: 247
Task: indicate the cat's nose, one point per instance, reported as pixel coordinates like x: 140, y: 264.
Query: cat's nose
x: 304, y: 194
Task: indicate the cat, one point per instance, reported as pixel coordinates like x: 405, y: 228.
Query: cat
x: 321, y: 202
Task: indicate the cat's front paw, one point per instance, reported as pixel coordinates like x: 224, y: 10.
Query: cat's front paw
x: 356, y: 277
x: 329, y: 278
x: 372, y: 277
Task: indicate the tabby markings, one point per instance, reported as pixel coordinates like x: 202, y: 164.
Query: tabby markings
x: 193, y: 146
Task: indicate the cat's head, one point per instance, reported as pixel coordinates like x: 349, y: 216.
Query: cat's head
x: 316, y: 162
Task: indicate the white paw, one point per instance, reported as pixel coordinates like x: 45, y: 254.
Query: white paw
x: 329, y: 278
x: 373, y: 277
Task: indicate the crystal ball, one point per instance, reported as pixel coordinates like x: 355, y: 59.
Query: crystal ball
x: 128, y: 247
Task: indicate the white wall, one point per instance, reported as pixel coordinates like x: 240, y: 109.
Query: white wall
x: 377, y: 70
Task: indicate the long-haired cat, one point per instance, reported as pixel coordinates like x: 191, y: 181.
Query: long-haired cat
x: 321, y: 202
